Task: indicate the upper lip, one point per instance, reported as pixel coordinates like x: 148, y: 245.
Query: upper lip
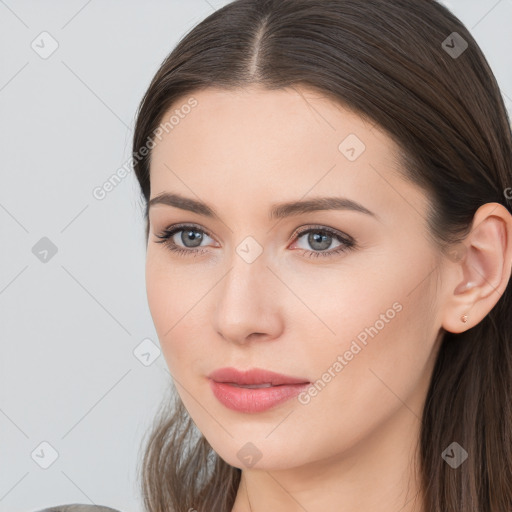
x: 253, y: 376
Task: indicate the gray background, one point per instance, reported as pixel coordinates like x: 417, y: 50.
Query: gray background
x: 72, y: 323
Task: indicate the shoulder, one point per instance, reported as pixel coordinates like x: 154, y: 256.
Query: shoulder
x: 77, y: 507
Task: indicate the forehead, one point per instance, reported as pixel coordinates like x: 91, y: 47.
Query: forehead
x: 283, y: 144
x: 252, y: 119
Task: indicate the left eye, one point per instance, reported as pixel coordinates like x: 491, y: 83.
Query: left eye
x: 319, y: 238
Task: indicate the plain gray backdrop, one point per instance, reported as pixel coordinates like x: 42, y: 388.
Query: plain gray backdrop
x: 81, y: 375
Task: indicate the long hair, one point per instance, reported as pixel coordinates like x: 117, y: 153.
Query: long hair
x: 398, y: 64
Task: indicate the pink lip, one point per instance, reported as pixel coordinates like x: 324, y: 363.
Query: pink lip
x: 283, y: 387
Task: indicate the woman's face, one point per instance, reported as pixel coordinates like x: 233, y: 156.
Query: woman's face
x: 343, y: 298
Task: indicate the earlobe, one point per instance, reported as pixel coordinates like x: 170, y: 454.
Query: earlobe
x: 485, y: 265
x: 459, y: 315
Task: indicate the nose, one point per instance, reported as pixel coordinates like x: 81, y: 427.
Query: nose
x: 248, y: 303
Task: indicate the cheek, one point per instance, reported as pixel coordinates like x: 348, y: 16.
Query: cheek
x: 162, y: 290
x: 381, y: 355
x: 159, y: 294
x: 174, y: 303
x: 379, y: 321
x: 169, y: 291
x: 388, y: 373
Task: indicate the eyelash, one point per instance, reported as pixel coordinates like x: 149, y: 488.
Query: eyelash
x: 165, y: 238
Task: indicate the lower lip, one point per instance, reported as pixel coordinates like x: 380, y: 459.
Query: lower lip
x: 251, y: 400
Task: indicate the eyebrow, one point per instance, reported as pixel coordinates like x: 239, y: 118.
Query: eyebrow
x: 278, y: 211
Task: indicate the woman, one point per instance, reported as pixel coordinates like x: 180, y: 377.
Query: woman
x: 327, y: 190
x: 327, y: 187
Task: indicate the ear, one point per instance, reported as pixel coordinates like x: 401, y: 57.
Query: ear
x: 479, y: 268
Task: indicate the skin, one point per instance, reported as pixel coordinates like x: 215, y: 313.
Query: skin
x: 354, y: 443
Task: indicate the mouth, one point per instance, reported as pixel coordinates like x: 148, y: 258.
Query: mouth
x: 254, y: 377
x: 253, y: 391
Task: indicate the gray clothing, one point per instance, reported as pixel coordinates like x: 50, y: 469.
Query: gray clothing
x: 77, y: 507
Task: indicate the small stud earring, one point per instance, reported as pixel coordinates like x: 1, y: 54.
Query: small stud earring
x: 464, y: 318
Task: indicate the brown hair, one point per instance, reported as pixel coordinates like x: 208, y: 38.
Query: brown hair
x: 396, y: 63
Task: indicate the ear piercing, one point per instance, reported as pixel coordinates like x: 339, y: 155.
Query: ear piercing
x: 464, y: 318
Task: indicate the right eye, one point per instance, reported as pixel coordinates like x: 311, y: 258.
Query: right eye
x: 189, y: 234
